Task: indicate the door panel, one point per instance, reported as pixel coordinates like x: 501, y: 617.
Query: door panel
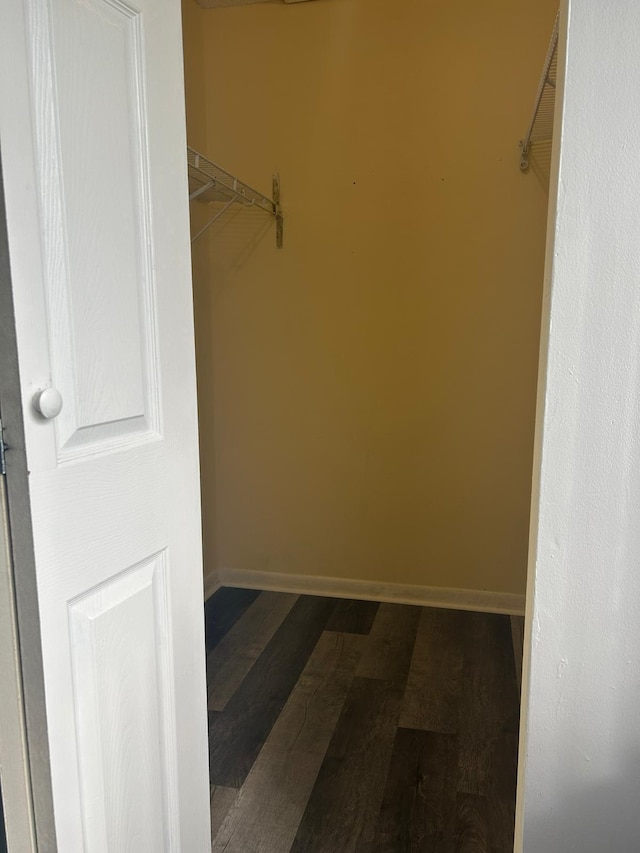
x: 94, y: 182
x: 122, y: 658
x: 93, y: 141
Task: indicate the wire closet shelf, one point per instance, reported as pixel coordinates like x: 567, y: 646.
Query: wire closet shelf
x: 209, y: 182
x: 540, y: 128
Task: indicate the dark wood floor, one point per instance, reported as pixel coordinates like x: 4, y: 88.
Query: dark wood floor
x: 350, y: 726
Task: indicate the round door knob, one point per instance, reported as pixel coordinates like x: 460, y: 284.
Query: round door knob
x: 48, y: 402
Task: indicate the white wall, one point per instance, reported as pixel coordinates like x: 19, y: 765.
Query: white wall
x: 580, y: 761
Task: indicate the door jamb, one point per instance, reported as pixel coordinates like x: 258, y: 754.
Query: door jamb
x: 24, y: 747
x: 14, y: 761
x: 525, y: 689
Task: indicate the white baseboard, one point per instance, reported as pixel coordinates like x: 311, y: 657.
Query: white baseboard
x: 211, y: 584
x: 482, y: 601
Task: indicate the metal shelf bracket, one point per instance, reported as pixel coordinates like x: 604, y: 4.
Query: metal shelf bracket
x: 278, y: 210
x: 209, y: 182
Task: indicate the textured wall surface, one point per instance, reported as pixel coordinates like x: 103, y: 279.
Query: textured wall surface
x: 580, y: 783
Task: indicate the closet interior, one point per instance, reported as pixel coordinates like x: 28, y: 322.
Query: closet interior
x: 367, y: 328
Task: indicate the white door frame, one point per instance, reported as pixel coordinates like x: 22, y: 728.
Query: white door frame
x: 24, y: 752
x: 14, y: 756
x: 579, y: 782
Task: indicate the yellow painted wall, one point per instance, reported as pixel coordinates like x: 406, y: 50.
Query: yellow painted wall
x: 374, y: 381
x: 196, y: 107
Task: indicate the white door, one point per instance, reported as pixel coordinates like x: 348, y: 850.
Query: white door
x: 93, y: 146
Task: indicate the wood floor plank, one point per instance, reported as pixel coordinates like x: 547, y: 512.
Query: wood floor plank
x: 223, y: 609
x: 502, y: 788
x: 419, y: 808
x: 489, y: 697
x: 432, y: 697
x: 230, y: 661
x: 237, y: 734
x: 221, y: 801
x: 268, y: 809
x: 353, y: 617
x: 471, y: 824
x: 343, y: 808
x: 388, y: 651
x: 517, y: 637
x: 309, y: 734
